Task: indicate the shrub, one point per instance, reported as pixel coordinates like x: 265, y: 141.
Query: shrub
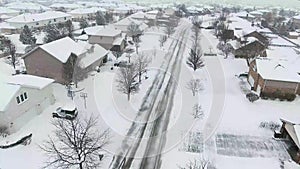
x: 270, y: 125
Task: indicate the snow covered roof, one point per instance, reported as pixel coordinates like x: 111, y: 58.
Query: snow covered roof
x: 127, y: 21
x: 30, y: 81
x: 245, y: 14
x: 66, y: 5
x: 89, y: 30
x: 4, y: 10
x: 89, y: 3
x: 62, y: 49
x: 118, y: 41
x: 108, y: 31
x: 138, y: 15
x: 26, y: 6
x: 87, y: 10
x: 91, y: 57
x: 7, y: 91
x: 5, y: 25
x: 84, y: 37
x: 293, y: 34
x: 256, y: 13
x: 276, y: 70
x: 28, y: 18
x: 297, y: 17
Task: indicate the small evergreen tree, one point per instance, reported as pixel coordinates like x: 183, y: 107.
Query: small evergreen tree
x: 83, y: 23
x: 52, y: 33
x: 108, y: 17
x: 26, y: 36
x: 100, y: 19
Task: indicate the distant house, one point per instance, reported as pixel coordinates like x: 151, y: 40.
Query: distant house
x: 296, y: 21
x: 27, y: 7
x: 39, y: 19
x: 66, y: 7
x: 85, y: 13
x: 246, y: 15
x: 268, y: 76
x: 293, y: 35
x: 56, y: 59
x: 124, y: 23
x: 248, y: 48
x: 258, y: 36
x: 291, y: 130
x: 109, y: 37
x: 22, y: 98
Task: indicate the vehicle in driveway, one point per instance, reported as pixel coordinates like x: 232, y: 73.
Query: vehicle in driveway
x: 68, y: 111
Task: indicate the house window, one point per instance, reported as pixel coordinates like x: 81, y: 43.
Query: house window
x: 54, y: 20
x: 65, y: 18
x: 37, y: 23
x: 18, y: 100
x: 22, y: 98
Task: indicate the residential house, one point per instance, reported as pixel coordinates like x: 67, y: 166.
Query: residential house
x: 56, y: 59
x: 259, y: 36
x: 124, y: 23
x: 39, y: 19
x: 85, y: 13
x: 109, y: 37
x: 291, y: 130
x: 248, y: 48
x: 246, y: 15
x: 269, y: 76
x: 296, y: 21
x: 65, y: 7
x: 23, y: 97
x: 27, y: 7
x: 293, y: 35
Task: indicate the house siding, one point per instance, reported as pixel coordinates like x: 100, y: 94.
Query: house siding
x: 16, y: 115
x: 41, y: 63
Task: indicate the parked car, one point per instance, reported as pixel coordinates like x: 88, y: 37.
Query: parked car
x: 68, y: 111
x: 122, y: 63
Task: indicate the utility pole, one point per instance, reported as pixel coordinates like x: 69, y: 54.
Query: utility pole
x: 84, y: 96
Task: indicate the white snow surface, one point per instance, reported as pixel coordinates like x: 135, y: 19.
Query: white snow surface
x: 28, y: 18
x: 30, y: 81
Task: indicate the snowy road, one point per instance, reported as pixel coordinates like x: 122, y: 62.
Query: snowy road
x: 154, y: 112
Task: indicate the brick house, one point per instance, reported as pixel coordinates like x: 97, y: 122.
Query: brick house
x: 258, y: 36
x: 269, y: 76
x: 249, y: 47
x: 53, y: 59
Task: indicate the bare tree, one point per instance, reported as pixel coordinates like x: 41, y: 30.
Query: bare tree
x: 141, y: 63
x: 195, y: 86
x: 126, y: 80
x: 195, y: 60
x: 162, y: 40
x: 169, y: 30
x: 137, y: 42
x: 77, y: 143
x: 196, y: 164
x: 197, y: 111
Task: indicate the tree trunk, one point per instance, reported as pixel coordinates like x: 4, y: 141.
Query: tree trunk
x: 80, y: 166
x: 194, y: 93
x: 128, y: 96
x: 140, y: 77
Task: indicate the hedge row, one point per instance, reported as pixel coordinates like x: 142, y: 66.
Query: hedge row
x: 278, y: 95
